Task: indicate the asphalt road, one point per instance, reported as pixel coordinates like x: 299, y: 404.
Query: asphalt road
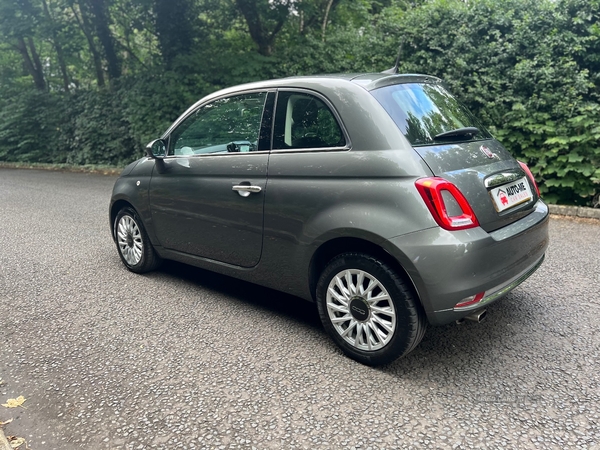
x: 182, y: 358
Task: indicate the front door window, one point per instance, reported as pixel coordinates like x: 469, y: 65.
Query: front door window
x: 226, y: 125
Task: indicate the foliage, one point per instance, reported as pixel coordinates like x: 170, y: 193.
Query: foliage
x: 529, y: 68
x: 91, y: 81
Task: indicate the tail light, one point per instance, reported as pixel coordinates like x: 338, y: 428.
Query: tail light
x: 431, y: 190
x: 530, y: 175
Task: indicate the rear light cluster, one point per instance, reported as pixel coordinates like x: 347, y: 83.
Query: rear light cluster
x: 431, y: 189
x: 530, y: 175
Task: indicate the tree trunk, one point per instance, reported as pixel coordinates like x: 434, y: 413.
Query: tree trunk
x: 59, y: 51
x: 100, y: 20
x: 31, y: 62
x: 325, y: 19
x: 174, y: 28
x: 259, y: 34
x: 85, y: 26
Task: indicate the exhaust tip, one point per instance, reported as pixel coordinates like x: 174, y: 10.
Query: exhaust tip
x: 477, y: 316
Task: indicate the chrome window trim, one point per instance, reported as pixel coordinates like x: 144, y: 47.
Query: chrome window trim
x: 167, y: 134
x: 312, y: 150
x: 202, y: 155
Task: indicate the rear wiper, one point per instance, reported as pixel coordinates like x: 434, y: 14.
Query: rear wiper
x: 458, y: 132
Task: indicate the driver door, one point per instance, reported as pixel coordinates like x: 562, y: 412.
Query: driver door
x: 207, y: 198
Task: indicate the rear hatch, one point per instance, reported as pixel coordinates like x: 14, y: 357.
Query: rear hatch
x: 456, y: 147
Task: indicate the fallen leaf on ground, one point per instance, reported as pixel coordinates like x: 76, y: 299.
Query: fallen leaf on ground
x: 15, y: 402
x: 15, y: 442
x: 6, y: 423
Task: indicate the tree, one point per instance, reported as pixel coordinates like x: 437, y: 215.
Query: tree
x: 101, y: 22
x: 53, y: 32
x: 18, y: 22
x: 176, y: 28
x: 265, y: 19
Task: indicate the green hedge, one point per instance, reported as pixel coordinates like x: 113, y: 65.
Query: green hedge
x: 529, y: 68
x: 97, y: 127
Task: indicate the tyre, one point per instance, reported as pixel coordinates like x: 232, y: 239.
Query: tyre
x: 133, y: 244
x: 368, y: 310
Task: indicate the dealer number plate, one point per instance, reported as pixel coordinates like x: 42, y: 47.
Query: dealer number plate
x: 512, y: 194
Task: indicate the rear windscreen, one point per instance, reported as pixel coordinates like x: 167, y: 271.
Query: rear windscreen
x: 423, y: 111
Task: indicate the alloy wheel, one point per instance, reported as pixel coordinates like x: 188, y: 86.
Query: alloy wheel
x: 129, y: 240
x: 360, y: 309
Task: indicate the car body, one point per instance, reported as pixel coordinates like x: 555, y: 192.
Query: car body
x: 379, y: 196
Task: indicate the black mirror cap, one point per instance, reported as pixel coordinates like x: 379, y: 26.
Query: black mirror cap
x: 157, y: 149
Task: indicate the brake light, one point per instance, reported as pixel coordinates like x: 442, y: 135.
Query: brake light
x: 431, y: 190
x: 530, y: 175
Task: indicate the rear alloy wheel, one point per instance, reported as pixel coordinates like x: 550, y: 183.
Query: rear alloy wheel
x: 368, y: 309
x: 133, y: 244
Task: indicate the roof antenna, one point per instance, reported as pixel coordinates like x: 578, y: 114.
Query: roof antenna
x: 394, y: 70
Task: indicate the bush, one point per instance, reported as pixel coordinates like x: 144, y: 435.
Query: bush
x: 93, y: 126
x: 529, y: 68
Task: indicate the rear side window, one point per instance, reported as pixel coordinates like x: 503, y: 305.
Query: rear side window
x: 305, y: 121
x: 423, y: 111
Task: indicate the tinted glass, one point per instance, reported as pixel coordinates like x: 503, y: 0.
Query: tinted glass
x: 305, y: 121
x: 423, y: 111
x: 226, y: 125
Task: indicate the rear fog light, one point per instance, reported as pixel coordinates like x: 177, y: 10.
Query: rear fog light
x: 469, y: 301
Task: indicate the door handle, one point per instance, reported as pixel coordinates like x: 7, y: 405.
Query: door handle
x: 246, y: 190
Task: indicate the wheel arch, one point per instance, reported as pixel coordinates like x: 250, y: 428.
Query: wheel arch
x: 330, y: 249
x: 117, y: 206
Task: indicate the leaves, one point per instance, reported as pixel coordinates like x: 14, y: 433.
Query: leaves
x: 16, y: 442
x: 15, y: 402
x: 530, y: 69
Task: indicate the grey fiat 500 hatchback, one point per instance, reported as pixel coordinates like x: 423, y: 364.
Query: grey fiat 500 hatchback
x: 378, y: 196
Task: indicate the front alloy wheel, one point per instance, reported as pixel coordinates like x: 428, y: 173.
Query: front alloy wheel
x: 129, y: 240
x: 133, y: 243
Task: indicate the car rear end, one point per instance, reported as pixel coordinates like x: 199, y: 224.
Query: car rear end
x: 491, y: 231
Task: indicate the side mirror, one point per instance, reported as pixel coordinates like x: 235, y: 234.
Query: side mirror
x: 157, y: 149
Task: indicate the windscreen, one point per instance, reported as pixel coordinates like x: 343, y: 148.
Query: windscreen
x: 424, y: 111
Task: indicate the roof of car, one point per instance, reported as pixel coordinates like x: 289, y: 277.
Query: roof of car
x: 367, y: 81
x: 370, y: 81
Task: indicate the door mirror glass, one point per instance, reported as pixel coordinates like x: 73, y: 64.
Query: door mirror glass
x: 156, y: 149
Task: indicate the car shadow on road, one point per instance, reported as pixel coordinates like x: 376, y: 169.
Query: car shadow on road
x: 444, y: 350
x: 268, y: 299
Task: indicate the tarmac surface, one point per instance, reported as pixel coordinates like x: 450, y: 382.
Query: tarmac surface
x: 185, y: 359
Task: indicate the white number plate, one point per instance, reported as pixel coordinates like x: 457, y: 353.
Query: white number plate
x: 512, y: 194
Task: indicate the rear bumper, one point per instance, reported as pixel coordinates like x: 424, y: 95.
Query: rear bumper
x: 448, y: 267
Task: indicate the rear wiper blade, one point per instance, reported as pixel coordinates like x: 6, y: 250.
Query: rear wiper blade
x: 458, y: 132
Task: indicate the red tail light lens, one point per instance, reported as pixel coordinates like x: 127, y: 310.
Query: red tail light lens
x: 530, y: 175
x: 431, y: 190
